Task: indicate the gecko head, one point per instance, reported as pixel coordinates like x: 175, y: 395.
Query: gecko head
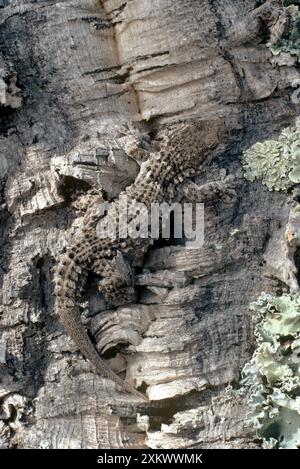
x: 191, y: 144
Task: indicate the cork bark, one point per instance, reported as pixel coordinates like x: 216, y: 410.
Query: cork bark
x: 84, y: 86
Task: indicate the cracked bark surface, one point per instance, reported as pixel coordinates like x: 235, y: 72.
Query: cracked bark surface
x: 85, y: 69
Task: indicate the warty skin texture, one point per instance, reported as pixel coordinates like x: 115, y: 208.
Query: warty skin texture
x: 184, y: 151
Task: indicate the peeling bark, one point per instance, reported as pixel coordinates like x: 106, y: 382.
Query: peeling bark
x: 85, y: 86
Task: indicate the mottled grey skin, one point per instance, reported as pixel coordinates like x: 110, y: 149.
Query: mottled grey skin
x: 183, y: 152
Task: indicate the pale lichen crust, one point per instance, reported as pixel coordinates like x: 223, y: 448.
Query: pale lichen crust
x: 271, y: 380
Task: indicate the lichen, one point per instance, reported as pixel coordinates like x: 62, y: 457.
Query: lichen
x: 291, y: 43
x: 271, y: 380
x: 275, y: 162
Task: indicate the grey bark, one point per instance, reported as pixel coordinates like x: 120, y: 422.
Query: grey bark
x: 73, y: 73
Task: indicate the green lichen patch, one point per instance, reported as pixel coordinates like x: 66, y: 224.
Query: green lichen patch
x: 275, y: 162
x: 271, y: 380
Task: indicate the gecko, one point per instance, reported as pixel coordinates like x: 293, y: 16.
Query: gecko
x: 184, y: 151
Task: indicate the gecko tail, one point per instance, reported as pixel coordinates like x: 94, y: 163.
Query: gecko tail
x: 71, y: 321
x: 103, y: 368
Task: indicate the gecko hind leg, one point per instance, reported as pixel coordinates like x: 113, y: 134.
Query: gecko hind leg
x: 116, y: 284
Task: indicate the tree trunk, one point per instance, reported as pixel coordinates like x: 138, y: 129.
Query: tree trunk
x: 85, y: 88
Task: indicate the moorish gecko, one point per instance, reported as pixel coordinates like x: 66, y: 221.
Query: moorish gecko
x: 183, y: 152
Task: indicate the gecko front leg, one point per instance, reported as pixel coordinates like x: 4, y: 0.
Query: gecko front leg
x: 225, y: 189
